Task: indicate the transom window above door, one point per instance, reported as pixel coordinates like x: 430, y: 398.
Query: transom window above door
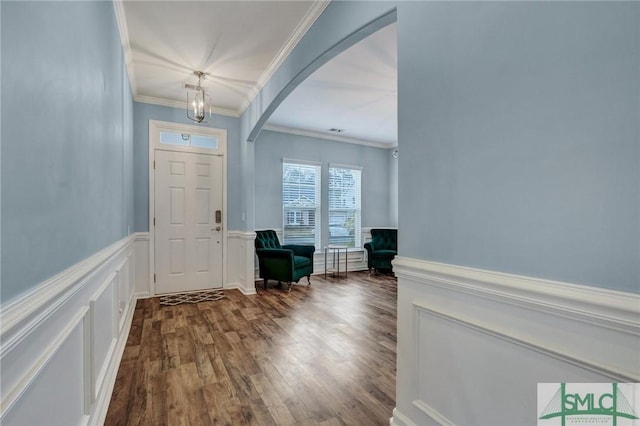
x: 169, y: 136
x: 186, y: 139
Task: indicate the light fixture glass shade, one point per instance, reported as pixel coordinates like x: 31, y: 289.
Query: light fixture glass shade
x: 198, y: 105
x: 198, y: 102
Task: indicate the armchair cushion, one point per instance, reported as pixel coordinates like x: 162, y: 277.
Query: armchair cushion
x: 384, y: 253
x: 300, y: 261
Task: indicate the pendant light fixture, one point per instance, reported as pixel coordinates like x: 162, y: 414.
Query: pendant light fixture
x: 198, y: 102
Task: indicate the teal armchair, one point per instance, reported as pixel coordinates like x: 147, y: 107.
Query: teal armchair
x: 381, y: 250
x: 286, y: 263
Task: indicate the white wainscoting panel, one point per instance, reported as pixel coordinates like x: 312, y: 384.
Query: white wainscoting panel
x: 144, y: 283
x: 102, y: 307
x: 356, y: 261
x: 240, y: 261
x: 62, y: 342
x: 474, y: 344
x: 125, y: 289
x: 234, y: 259
x: 57, y: 377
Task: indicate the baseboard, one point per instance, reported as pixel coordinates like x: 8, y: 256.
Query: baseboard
x: 432, y: 414
x: 72, y: 326
x: 432, y: 417
x: 143, y: 295
x: 243, y: 289
x: 488, y: 338
x: 400, y: 419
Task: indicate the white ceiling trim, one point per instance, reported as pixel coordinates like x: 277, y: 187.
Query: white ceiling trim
x: 310, y: 17
x: 183, y: 105
x: 121, y: 19
x: 320, y: 135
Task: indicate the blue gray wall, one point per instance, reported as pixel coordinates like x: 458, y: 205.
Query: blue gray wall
x: 66, y: 139
x: 145, y: 112
x: 521, y: 122
x: 393, y: 189
x: 518, y: 131
x: 272, y: 147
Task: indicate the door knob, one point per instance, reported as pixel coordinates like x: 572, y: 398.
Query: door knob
x: 218, y: 228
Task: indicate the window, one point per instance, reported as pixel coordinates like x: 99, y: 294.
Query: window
x: 185, y: 139
x: 301, y: 202
x: 344, y: 205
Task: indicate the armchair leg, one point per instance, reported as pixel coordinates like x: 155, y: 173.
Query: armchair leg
x: 289, y: 289
x: 308, y: 279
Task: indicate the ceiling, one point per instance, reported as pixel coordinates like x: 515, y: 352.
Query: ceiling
x: 240, y: 44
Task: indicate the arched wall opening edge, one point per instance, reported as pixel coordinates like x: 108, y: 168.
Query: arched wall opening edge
x: 355, y: 37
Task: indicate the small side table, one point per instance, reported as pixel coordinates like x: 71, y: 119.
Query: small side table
x: 335, y: 264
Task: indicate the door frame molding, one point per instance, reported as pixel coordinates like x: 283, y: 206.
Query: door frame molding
x: 155, y: 127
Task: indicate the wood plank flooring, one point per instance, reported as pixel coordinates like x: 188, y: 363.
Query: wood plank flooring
x: 323, y: 354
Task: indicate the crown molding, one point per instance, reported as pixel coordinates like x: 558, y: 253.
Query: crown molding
x: 183, y: 105
x: 307, y: 21
x: 320, y: 135
x: 121, y: 19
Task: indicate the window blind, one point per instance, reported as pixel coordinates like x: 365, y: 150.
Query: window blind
x: 301, y: 203
x: 344, y: 205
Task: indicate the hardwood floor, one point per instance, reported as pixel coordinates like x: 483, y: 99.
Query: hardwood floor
x: 323, y: 354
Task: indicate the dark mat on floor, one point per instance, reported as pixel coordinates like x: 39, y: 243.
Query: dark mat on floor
x: 193, y: 297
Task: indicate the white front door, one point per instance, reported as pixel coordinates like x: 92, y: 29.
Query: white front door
x: 188, y: 221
